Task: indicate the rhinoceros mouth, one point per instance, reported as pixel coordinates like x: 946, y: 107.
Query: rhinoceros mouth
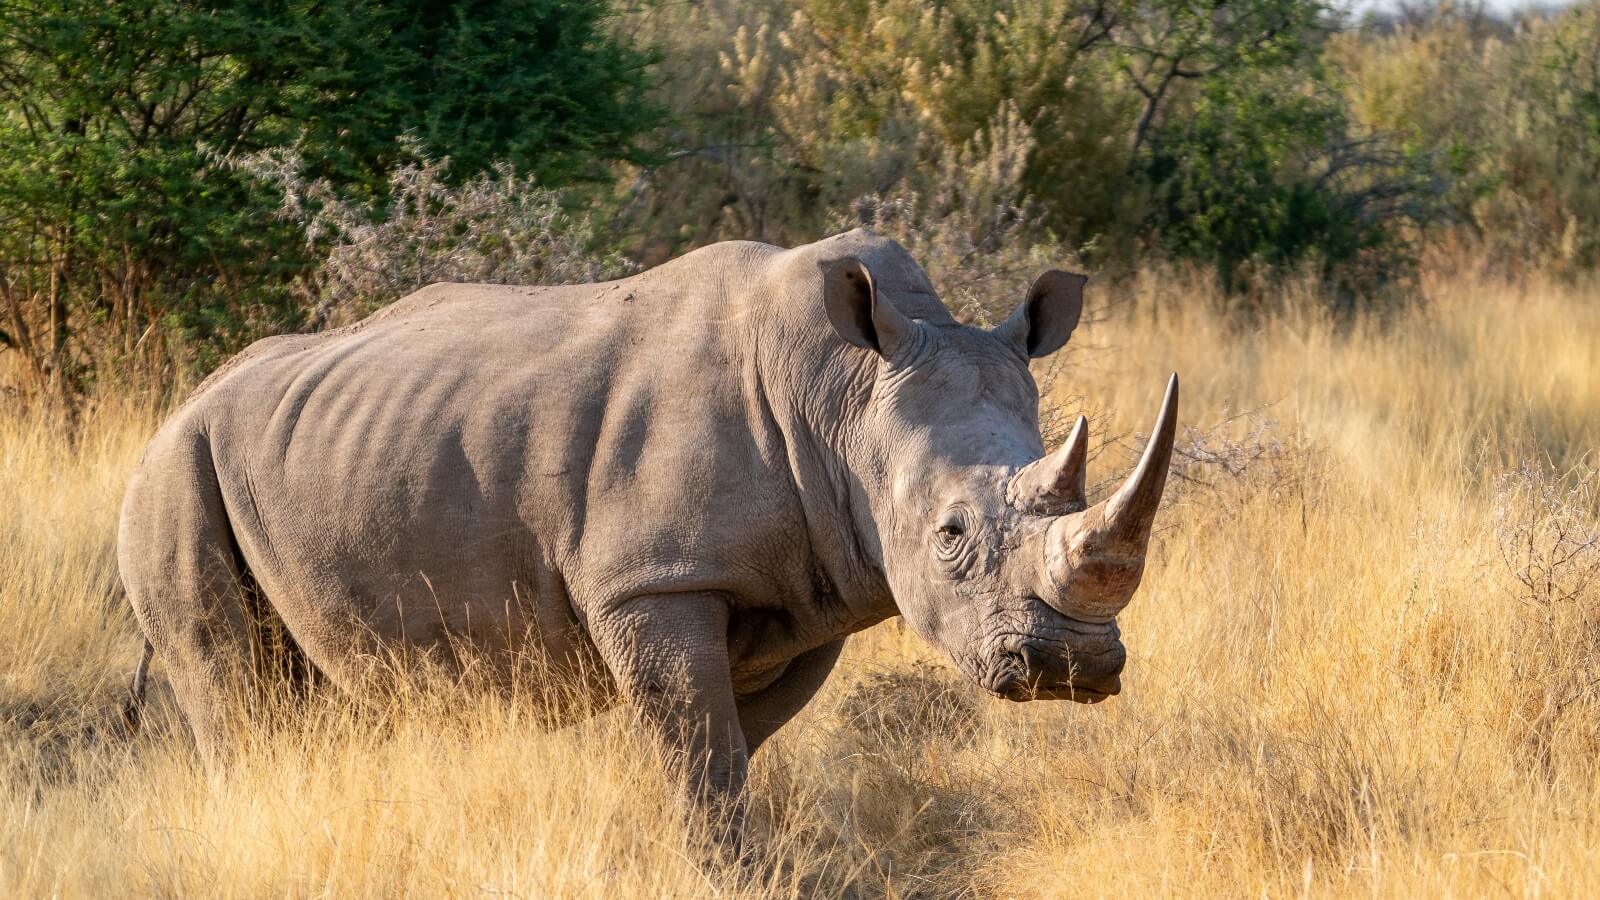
x: 1021, y: 682
x: 1023, y: 692
x: 1034, y: 669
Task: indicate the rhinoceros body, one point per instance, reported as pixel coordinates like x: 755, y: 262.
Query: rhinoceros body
x: 684, y: 488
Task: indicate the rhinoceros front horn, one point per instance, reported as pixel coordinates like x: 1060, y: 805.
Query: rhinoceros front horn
x: 1132, y: 509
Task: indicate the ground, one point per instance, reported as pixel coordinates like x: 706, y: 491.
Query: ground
x: 1364, y: 660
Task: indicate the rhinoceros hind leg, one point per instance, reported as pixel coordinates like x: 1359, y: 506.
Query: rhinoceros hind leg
x: 192, y: 596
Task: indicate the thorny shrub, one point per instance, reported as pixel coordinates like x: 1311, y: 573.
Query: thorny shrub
x: 1548, y: 534
x: 1244, y: 456
x: 499, y: 227
x: 911, y: 706
x: 901, y: 813
x: 972, y: 225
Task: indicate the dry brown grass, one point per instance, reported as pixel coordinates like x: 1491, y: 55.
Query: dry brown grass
x: 1358, y: 664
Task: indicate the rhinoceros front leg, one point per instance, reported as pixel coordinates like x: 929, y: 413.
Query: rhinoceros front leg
x: 762, y: 713
x: 669, y: 654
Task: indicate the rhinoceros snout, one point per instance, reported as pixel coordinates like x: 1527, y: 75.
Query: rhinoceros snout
x: 1084, y: 675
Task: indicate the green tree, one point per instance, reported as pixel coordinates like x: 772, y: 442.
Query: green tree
x: 1083, y: 108
x: 1510, y: 114
x: 118, y: 224
x: 1270, y: 172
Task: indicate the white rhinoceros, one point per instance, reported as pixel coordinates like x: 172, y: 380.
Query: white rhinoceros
x: 684, y: 488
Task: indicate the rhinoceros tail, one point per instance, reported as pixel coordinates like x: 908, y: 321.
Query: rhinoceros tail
x: 133, y: 707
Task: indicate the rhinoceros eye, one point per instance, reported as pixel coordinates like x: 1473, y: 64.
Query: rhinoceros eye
x: 951, y: 542
x: 952, y: 525
x: 950, y: 531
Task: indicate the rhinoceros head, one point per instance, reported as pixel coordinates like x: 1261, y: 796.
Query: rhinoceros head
x: 990, y: 547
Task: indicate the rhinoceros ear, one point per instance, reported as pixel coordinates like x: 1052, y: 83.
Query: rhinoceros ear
x: 1045, y: 320
x: 856, y: 311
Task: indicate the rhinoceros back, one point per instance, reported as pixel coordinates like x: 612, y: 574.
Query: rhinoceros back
x: 480, y: 460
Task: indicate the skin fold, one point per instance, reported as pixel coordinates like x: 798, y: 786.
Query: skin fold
x: 682, y: 490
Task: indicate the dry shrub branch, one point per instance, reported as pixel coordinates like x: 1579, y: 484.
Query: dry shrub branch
x: 500, y: 227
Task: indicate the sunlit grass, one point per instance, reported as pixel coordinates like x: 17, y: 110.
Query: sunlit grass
x: 1336, y: 683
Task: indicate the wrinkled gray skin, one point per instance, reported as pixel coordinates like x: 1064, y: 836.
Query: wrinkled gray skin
x: 684, y: 489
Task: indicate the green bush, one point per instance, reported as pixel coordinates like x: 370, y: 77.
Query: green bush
x: 118, y: 226
x: 1263, y: 175
x: 1203, y: 131
x: 1510, y: 116
x: 991, y: 136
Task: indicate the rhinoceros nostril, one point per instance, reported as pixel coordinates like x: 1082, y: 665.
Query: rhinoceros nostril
x: 1034, y: 662
x: 1008, y: 673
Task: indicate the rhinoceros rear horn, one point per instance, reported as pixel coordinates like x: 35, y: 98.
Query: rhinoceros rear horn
x: 1054, y: 485
x: 1132, y: 509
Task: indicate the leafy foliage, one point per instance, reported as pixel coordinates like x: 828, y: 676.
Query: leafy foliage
x: 539, y: 84
x: 1203, y: 131
x: 1261, y: 175
x: 115, y: 224
x: 1256, y: 139
x: 1510, y: 117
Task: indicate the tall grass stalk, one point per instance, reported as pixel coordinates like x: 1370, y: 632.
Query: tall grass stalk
x: 1339, y: 680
